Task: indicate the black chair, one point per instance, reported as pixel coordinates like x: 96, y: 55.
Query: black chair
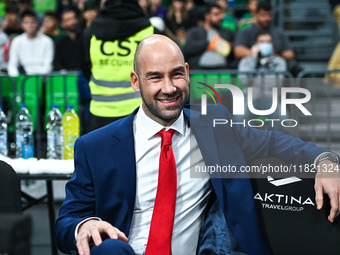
x: 288, y: 214
x: 15, y: 228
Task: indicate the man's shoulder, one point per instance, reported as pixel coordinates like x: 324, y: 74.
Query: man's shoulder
x: 100, y: 136
x: 249, y: 30
x: 226, y: 30
x: 105, y: 131
x: 226, y: 33
x: 44, y: 37
x: 86, y: 34
x: 246, y: 36
x: 3, y: 36
x: 276, y: 31
x: 197, y: 29
x: 19, y: 38
x: 119, y: 128
x: 62, y: 40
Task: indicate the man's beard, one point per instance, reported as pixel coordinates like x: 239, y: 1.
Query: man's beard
x: 72, y: 29
x: 164, y: 115
x: 215, y: 25
x: 265, y: 25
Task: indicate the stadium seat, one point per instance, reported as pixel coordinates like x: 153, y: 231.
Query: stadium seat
x: 15, y: 228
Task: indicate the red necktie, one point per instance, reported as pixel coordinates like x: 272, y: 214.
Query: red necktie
x: 159, y: 241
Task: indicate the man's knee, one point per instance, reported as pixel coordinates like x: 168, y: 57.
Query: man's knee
x: 112, y: 246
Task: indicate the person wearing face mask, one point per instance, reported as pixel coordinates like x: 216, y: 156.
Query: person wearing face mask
x: 263, y: 58
x: 245, y: 39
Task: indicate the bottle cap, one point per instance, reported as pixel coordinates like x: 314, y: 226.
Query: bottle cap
x: 54, y: 106
x: 0, y: 106
x: 23, y: 106
x: 69, y: 106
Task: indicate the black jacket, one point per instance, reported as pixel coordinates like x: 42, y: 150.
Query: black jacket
x: 118, y: 19
x: 196, y: 43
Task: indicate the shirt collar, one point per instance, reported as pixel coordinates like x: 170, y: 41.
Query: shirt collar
x: 150, y: 127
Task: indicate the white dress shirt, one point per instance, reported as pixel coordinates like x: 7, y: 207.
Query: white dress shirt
x: 192, y: 193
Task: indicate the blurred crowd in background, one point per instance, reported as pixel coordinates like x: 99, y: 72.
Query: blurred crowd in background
x: 42, y: 36
x: 184, y: 21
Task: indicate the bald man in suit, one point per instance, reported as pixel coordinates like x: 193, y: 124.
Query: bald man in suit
x: 113, y: 188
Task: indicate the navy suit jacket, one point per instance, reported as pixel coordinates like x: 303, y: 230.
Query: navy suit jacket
x: 104, y: 180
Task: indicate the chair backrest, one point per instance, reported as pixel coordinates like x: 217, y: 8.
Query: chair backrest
x: 10, y: 197
x: 288, y: 214
x: 15, y: 227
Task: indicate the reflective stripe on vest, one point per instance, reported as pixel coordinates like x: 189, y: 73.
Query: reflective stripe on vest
x: 111, y: 84
x: 115, y: 98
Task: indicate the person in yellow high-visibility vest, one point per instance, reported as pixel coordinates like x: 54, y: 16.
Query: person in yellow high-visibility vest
x: 109, y: 45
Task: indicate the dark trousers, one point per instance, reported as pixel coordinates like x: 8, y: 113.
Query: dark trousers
x: 112, y: 246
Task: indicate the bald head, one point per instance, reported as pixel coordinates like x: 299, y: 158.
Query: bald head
x: 162, y: 78
x: 154, y: 44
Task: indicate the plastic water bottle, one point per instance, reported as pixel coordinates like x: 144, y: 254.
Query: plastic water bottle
x: 3, y: 133
x: 24, y: 134
x: 55, y: 136
x: 71, y: 131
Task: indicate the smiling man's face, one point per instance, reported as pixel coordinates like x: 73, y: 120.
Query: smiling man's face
x: 162, y: 79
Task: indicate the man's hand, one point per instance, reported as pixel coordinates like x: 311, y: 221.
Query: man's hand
x: 255, y: 50
x: 93, y: 229
x: 327, y: 180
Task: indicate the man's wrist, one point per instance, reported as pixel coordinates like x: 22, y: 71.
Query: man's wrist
x: 327, y: 156
x: 80, y: 223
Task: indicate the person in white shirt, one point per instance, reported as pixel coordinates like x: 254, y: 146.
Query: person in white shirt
x: 32, y: 50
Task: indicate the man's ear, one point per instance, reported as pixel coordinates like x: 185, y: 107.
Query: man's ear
x: 134, y: 81
x: 187, y: 68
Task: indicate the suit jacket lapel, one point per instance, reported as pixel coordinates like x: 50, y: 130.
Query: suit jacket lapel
x: 124, y: 156
x: 124, y: 152
x: 205, y: 137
